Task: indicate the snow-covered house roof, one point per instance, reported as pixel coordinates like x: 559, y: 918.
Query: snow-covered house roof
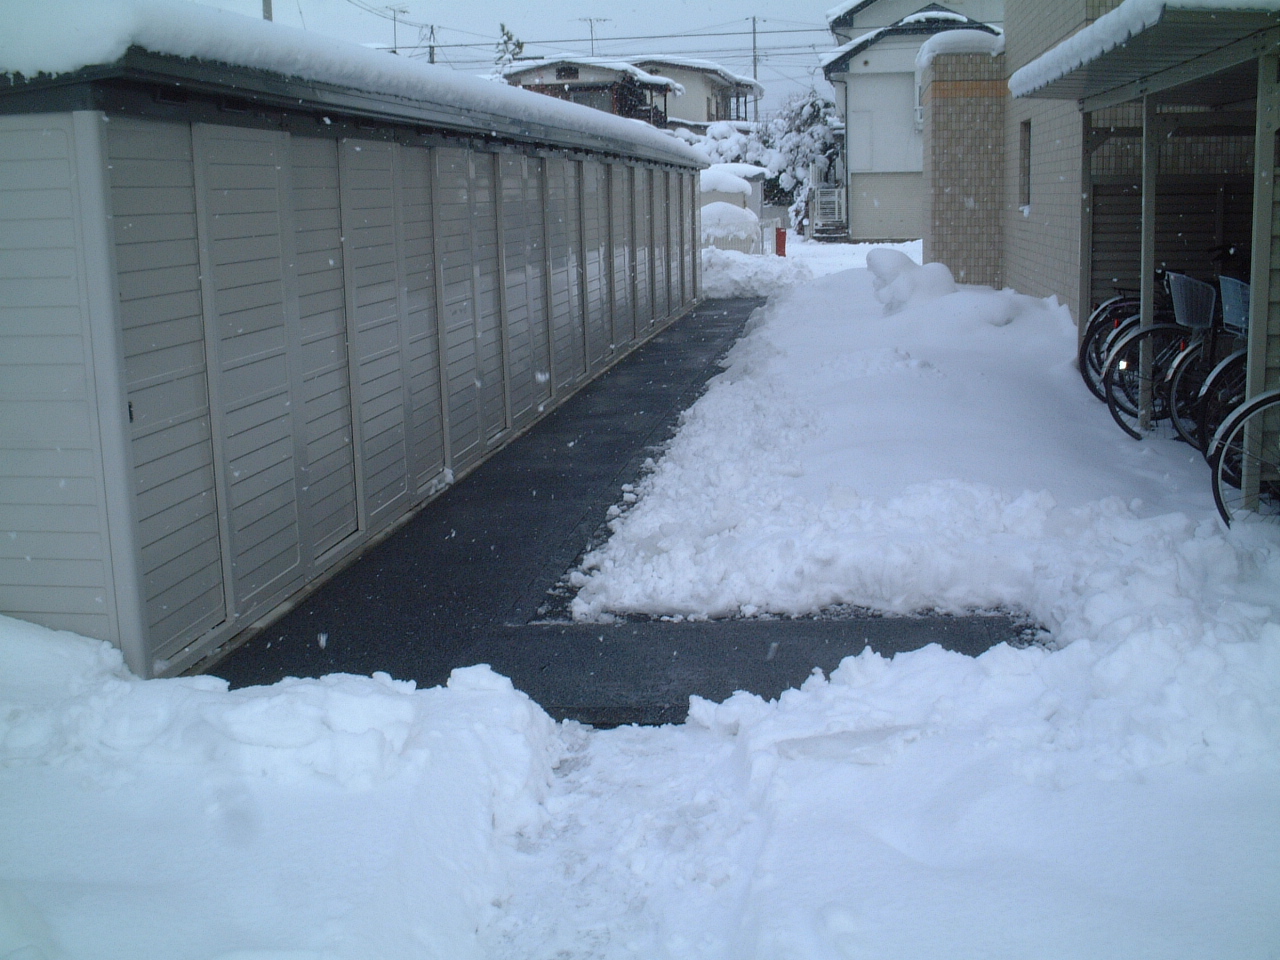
x: 51, y: 49
x: 1138, y: 39
x: 513, y: 71
x: 926, y: 22
x: 842, y: 14
x: 749, y: 86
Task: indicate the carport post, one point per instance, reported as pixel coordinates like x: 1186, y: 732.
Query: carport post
x: 1150, y: 168
x: 1264, y: 163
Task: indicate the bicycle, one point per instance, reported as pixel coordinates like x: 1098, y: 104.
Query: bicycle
x: 1245, y: 457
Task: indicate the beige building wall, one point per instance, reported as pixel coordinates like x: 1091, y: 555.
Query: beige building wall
x: 964, y: 98
x: 1042, y: 237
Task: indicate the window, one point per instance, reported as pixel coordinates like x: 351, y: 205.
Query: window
x: 1024, y: 166
x: 567, y: 73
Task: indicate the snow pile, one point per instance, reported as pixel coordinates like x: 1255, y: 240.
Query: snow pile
x: 59, y: 36
x: 183, y: 786
x: 1113, y: 30
x: 726, y: 221
x: 900, y: 281
x: 730, y: 273
x: 716, y: 179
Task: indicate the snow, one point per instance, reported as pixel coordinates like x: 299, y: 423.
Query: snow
x: 929, y: 16
x: 958, y: 41
x: 729, y: 273
x: 725, y: 221
x: 716, y: 179
x: 517, y: 67
x: 709, y: 66
x: 60, y: 36
x: 881, y: 436
x: 1112, y: 30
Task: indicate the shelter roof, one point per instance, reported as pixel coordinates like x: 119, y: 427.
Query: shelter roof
x: 1148, y: 46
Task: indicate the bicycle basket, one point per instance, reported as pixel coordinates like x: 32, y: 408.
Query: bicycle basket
x: 1235, y: 304
x: 1193, y: 300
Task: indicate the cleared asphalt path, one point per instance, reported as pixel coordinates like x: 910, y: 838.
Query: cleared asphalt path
x: 470, y: 578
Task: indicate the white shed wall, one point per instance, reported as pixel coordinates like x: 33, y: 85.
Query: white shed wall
x: 231, y: 356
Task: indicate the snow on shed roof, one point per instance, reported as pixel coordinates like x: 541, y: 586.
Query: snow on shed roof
x: 1115, y: 29
x: 517, y: 67
x: 707, y: 66
x: 57, y: 38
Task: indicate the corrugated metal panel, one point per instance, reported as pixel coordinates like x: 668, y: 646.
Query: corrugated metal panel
x: 490, y: 360
x: 239, y: 195
x: 328, y: 441
x: 420, y: 325
x: 1193, y: 219
x: 622, y: 225
x: 53, y: 558
x: 661, y: 246
x: 690, y: 246
x: 595, y: 251
x: 153, y: 205
x: 569, y: 357
x: 373, y: 301
x: 642, y: 181
x: 525, y: 302
x: 457, y: 279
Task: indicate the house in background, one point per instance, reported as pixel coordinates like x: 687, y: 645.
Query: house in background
x: 877, y: 91
x: 614, y: 86
x: 711, y: 93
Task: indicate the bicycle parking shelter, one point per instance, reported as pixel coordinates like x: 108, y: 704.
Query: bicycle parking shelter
x: 1181, y: 107
x: 253, y: 321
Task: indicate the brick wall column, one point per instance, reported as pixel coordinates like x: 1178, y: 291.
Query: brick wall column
x: 964, y: 96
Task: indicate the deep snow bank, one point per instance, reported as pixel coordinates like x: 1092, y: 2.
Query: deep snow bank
x: 309, y: 814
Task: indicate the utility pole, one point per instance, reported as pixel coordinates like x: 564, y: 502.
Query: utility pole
x: 431, y: 45
x: 591, y: 25
x: 755, y: 69
x: 395, y: 27
x: 266, y: 9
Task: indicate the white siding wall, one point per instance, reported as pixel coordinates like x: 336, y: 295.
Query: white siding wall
x: 257, y: 350
x: 54, y: 539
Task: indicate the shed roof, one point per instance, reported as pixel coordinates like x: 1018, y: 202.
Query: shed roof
x: 69, y: 43
x: 923, y: 23
x: 1145, y: 46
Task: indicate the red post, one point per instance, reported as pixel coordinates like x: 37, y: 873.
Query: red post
x: 780, y: 241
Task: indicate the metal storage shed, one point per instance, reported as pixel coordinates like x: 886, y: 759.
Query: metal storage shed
x: 250, y: 319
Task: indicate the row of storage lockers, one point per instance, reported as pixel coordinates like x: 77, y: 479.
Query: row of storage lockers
x: 319, y: 334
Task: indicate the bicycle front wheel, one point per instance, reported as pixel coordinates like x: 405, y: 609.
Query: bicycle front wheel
x: 1134, y: 379
x: 1245, y: 455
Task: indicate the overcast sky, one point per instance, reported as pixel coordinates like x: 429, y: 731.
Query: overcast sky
x: 791, y: 34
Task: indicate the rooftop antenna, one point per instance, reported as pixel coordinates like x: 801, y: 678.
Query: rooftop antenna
x: 591, y: 24
x: 396, y: 13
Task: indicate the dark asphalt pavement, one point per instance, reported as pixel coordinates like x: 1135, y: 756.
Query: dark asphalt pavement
x: 468, y: 579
